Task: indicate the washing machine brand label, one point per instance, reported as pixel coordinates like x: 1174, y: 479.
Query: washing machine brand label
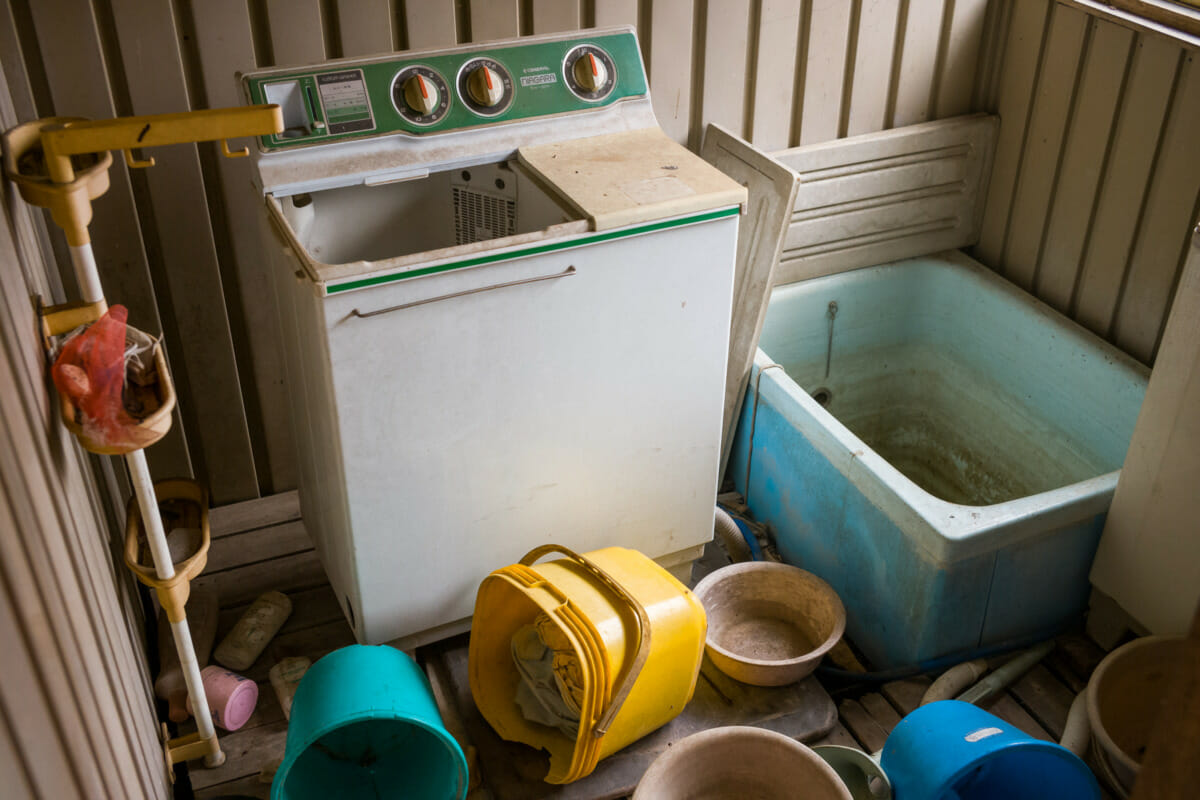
x: 540, y: 78
x: 982, y: 733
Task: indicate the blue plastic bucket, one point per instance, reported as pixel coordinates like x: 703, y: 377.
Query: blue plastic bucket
x: 952, y: 750
x: 364, y: 724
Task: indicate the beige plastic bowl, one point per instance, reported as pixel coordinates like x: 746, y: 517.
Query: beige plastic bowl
x: 769, y: 624
x: 1124, y: 697
x: 737, y: 763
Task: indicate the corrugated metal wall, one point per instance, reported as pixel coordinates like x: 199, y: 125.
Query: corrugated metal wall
x: 1097, y: 174
x: 76, y: 714
x: 180, y: 243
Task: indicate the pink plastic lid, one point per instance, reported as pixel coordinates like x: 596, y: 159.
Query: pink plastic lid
x: 231, y: 697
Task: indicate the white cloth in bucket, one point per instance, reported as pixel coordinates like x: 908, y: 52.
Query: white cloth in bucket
x: 551, y: 688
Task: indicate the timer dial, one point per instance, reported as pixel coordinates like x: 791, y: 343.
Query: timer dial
x: 589, y: 73
x: 420, y: 95
x: 485, y: 86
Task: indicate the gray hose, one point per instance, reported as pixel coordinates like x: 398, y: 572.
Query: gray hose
x: 1077, y: 733
x: 1006, y: 674
x: 954, y: 680
x: 731, y: 537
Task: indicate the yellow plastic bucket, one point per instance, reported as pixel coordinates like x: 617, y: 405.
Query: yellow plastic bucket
x: 637, y: 633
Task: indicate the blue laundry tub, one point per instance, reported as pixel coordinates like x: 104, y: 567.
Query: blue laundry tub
x: 949, y: 470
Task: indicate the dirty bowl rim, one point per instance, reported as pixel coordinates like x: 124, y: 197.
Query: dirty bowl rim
x: 732, y: 571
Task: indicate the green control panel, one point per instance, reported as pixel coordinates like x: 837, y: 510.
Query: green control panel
x: 426, y: 93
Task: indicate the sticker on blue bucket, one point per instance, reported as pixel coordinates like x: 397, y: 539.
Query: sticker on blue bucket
x: 952, y: 750
x: 364, y: 724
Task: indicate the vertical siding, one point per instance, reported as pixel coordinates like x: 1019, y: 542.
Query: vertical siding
x: 1097, y: 173
x: 1092, y: 183
x: 76, y: 713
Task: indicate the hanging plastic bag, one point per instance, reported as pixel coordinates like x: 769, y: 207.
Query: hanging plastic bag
x: 91, y: 371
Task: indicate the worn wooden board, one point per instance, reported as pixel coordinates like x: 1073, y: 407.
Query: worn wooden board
x: 636, y: 176
x: 300, y: 570
x: 771, y: 188
x: 670, y: 65
x: 365, y: 27
x: 1083, y: 163
x: 726, y: 48
x: 777, y: 40
x: 916, y: 82
x: 251, y: 514
x: 883, y: 196
x: 205, y: 365
x: 870, y: 92
x: 514, y: 771
x: 1133, y: 148
x: 1044, y: 145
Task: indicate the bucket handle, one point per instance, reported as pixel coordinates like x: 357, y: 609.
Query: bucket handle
x: 643, y: 621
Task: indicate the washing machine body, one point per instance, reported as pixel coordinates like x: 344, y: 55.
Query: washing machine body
x: 503, y: 325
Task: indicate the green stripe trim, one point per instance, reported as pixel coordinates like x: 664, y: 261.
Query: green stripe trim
x: 532, y: 251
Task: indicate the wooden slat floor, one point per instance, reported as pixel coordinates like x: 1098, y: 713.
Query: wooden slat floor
x: 261, y: 545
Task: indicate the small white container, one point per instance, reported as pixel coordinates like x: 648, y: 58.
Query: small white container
x: 242, y: 646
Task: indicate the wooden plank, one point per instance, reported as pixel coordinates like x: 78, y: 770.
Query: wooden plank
x: 1043, y: 144
x: 961, y: 48
x: 880, y: 710
x: 726, y: 43
x: 310, y: 642
x: 551, y: 16
x: 864, y: 727
x: 774, y: 70
x: 246, y: 753
x: 1022, y: 53
x: 431, y: 24
x: 670, y: 67
x: 251, y: 514
x: 1045, y: 697
x: 906, y: 694
x: 1006, y: 708
x: 616, y: 12
x: 1162, y: 237
x: 239, y: 585
x: 838, y: 735
x: 915, y: 82
x: 494, y: 19
x: 771, y: 189
x: 311, y: 608
x: 75, y: 67
x: 246, y: 786
x: 224, y: 46
x: 365, y: 27
x: 873, y: 53
x: 256, y: 546
x: 204, y: 353
x: 1084, y: 153
x: 297, y: 31
x: 825, y: 70
x: 1143, y: 111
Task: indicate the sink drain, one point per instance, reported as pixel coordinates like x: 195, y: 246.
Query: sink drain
x: 822, y: 396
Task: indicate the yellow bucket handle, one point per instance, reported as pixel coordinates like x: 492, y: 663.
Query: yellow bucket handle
x: 643, y: 620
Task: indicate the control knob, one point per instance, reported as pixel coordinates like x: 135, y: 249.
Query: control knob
x: 590, y: 72
x: 485, y: 86
x: 421, y: 95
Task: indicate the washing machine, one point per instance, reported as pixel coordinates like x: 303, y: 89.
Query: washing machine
x: 504, y: 296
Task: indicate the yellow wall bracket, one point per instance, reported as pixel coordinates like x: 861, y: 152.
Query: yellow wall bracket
x: 61, y: 163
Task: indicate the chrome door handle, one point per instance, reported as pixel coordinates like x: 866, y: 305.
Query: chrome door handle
x: 365, y: 314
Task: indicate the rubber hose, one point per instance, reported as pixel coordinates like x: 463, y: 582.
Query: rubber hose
x: 1077, y: 733
x: 954, y: 680
x: 731, y: 536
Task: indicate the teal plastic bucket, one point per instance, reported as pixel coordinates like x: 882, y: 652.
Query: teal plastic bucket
x: 364, y: 724
x: 952, y: 750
